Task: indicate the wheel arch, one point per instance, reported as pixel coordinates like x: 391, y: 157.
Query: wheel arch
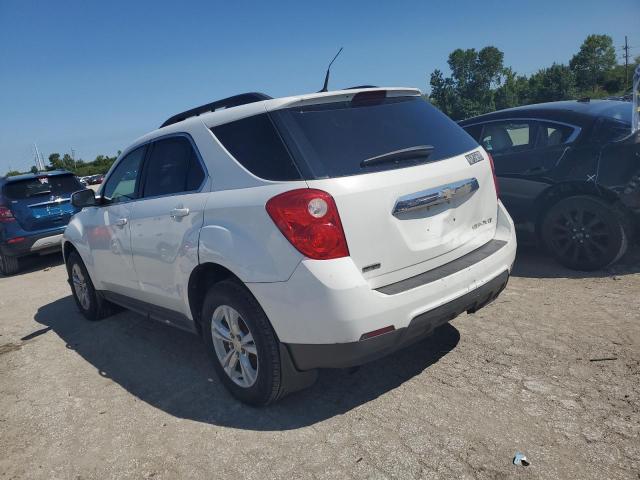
x: 67, y: 248
x: 201, y: 279
x: 560, y: 191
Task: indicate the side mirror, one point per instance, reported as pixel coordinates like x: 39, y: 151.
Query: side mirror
x: 84, y: 198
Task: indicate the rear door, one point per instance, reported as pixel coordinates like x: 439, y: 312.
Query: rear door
x: 511, y: 144
x: 166, y: 222
x: 525, y: 152
x: 418, y: 199
x: 43, y: 202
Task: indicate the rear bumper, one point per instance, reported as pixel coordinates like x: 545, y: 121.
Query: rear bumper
x: 351, y: 354
x: 327, y: 305
x: 40, y: 242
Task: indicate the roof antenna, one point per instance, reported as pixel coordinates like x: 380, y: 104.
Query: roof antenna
x: 326, y: 78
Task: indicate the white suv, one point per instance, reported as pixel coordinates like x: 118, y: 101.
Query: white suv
x: 315, y: 231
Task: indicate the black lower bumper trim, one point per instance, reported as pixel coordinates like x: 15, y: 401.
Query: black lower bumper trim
x: 344, y: 355
x: 23, y: 248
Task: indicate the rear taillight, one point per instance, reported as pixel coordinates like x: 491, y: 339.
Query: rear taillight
x: 309, y: 219
x: 493, y: 172
x: 5, y: 215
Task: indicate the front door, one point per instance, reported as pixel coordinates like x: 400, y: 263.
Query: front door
x: 108, y: 226
x: 166, y: 222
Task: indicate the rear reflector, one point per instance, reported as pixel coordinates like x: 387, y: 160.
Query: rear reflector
x: 16, y: 240
x: 376, y: 333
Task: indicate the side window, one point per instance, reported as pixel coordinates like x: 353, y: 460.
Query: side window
x: 552, y: 134
x: 508, y: 137
x: 173, y: 167
x: 121, y: 184
x: 256, y: 145
x: 474, y: 131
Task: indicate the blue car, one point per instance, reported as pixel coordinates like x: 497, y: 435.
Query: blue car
x: 34, y: 211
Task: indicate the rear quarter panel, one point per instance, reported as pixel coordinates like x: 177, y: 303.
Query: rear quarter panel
x: 239, y: 234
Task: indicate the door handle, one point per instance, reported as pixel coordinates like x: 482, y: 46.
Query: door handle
x: 121, y: 222
x: 179, y: 212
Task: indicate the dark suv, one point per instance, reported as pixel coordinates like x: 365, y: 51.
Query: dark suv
x: 34, y: 211
x: 569, y: 175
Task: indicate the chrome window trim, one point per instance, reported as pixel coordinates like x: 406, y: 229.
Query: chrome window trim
x: 576, y: 129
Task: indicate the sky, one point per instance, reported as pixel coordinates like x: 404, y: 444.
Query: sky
x: 95, y: 75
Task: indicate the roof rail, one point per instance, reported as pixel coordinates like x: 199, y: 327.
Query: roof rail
x: 361, y: 86
x: 234, y: 101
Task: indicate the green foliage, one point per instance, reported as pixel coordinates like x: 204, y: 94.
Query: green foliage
x: 552, y: 84
x: 470, y: 89
x: 13, y: 173
x: 596, y: 57
x: 100, y: 165
x: 480, y: 83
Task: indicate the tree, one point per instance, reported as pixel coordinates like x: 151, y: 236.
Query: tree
x: 514, y: 90
x: 34, y: 169
x: 13, y: 173
x: 55, y: 162
x: 552, y: 84
x: 596, y: 57
x: 470, y: 88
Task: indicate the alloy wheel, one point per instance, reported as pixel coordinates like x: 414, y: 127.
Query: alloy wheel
x: 234, y: 346
x: 579, y: 234
x: 80, y: 286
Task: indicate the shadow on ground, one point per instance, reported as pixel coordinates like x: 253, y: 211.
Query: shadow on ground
x: 532, y: 262
x: 170, y: 370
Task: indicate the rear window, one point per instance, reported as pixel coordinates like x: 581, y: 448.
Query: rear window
x: 58, y: 185
x: 333, y: 139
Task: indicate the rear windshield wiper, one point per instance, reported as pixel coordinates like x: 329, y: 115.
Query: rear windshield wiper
x: 411, y: 153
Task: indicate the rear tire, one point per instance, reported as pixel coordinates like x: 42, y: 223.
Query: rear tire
x: 89, y: 302
x: 242, y: 345
x: 9, y: 265
x: 585, y: 233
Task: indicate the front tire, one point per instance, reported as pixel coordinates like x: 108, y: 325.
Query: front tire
x: 9, y: 265
x: 90, y: 304
x: 585, y: 233
x: 241, y: 344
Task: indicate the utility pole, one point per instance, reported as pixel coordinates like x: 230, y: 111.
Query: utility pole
x: 626, y: 63
x: 73, y: 157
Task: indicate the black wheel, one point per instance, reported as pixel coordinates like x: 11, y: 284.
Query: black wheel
x: 585, y: 233
x: 90, y: 304
x: 8, y: 265
x: 241, y: 343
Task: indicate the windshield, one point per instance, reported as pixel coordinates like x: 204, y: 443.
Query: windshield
x: 334, y: 139
x: 57, y: 185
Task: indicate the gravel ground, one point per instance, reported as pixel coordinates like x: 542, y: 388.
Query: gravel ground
x: 552, y: 369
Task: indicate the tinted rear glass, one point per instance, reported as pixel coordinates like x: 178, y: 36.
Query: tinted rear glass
x: 58, y: 185
x: 255, y: 143
x: 618, y: 111
x: 331, y: 140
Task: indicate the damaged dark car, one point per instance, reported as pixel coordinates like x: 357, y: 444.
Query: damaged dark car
x: 569, y: 175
